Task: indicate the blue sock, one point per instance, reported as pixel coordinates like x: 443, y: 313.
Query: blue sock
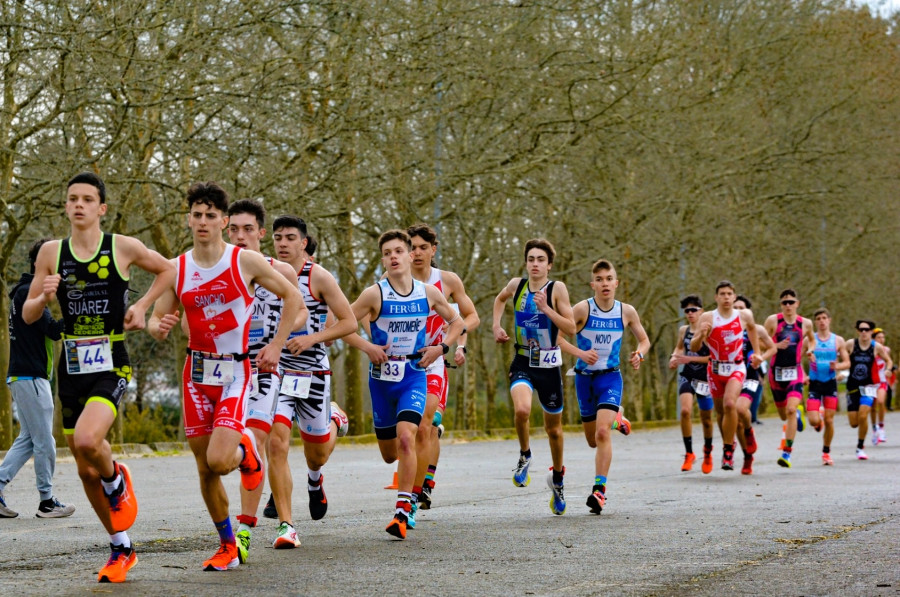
x: 226, y: 535
x: 600, y: 483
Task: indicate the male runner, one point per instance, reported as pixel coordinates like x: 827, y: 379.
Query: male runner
x: 826, y: 356
x: 879, y: 408
x: 863, y: 382
x: 88, y: 274
x: 305, y: 393
x: 542, y: 310
x: 246, y: 228
x: 30, y: 365
x: 397, y: 308
x: 751, y: 389
x: 215, y: 284
x: 723, y: 331
x: 601, y: 321
x: 424, y: 247
x: 692, y: 383
x: 789, y: 331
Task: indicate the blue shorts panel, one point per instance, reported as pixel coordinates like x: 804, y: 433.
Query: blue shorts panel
x: 598, y: 391
x: 686, y: 386
x: 402, y: 400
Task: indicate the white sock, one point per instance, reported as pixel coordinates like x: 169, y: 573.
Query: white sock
x: 110, y: 487
x: 314, y: 475
x: 120, y: 538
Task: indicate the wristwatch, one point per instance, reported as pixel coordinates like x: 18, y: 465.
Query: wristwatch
x: 463, y: 348
x: 444, y: 347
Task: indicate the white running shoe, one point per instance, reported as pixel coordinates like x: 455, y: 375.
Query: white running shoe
x: 861, y: 455
x: 286, y: 537
x: 340, y: 419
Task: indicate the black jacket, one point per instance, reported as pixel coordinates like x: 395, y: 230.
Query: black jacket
x: 30, y: 346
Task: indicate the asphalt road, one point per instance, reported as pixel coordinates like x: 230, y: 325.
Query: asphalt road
x: 808, y: 530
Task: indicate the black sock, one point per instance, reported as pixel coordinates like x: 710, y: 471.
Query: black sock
x: 707, y: 444
x: 688, y: 444
x: 526, y: 453
x: 860, y: 444
x: 729, y: 450
x: 558, y: 476
x: 826, y: 449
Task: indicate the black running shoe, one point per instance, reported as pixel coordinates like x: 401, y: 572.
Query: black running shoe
x: 270, y: 511
x: 318, y: 503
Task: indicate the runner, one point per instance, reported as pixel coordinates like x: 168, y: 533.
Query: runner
x: 601, y: 321
x: 542, y: 310
x: 722, y: 331
x: 397, y: 308
x: 246, y: 229
x: 692, y: 383
x: 88, y: 274
x: 305, y: 393
x: 751, y: 389
x: 30, y: 365
x: 215, y: 284
x: 425, y: 244
x: 879, y: 407
x: 827, y: 356
x: 863, y: 382
x: 789, y: 331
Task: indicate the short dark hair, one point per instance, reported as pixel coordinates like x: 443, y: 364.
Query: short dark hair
x: 91, y: 179
x: 208, y: 193
x: 744, y: 300
x: 788, y: 292
x: 691, y: 299
x: 868, y: 321
x: 288, y: 221
x: 544, y: 245
x: 820, y: 311
x: 602, y: 264
x: 426, y: 232
x: 34, y: 250
x: 395, y: 234
x: 724, y: 284
x: 249, y: 206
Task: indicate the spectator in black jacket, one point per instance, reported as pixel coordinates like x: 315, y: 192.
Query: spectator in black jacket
x: 30, y: 364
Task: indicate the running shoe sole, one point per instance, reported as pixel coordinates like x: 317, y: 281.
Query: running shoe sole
x: 397, y: 528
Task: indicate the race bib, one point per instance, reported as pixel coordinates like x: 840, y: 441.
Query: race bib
x: 701, y: 387
x: 724, y: 368
x: 296, y: 383
x: 88, y: 355
x: 546, y: 358
x: 751, y: 384
x: 870, y: 391
x: 785, y: 373
x: 393, y: 370
x: 254, y: 380
x: 211, y: 369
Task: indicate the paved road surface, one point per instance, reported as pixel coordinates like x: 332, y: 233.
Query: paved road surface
x: 810, y: 530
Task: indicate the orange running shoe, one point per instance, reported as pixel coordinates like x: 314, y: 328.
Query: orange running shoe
x: 251, y: 465
x: 826, y: 459
x: 747, y: 469
x: 750, y: 437
x: 118, y: 565
x: 707, y: 465
x: 622, y: 424
x: 225, y: 557
x: 397, y: 526
x: 123, y: 506
x: 689, y: 459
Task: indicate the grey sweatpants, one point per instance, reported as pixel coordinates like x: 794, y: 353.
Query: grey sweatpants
x: 34, y: 405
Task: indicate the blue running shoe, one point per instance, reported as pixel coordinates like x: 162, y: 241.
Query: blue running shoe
x: 411, y: 516
x: 801, y: 418
x: 785, y: 460
x: 557, y: 500
x: 520, y: 473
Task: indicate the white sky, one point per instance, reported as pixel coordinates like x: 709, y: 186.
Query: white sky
x: 882, y: 7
